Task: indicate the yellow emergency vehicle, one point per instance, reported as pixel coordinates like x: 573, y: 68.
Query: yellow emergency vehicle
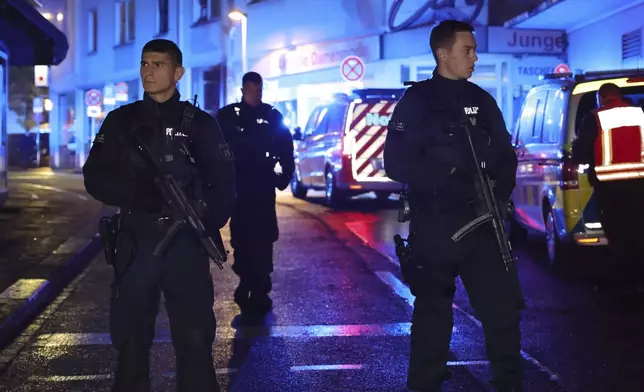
x: 553, y: 195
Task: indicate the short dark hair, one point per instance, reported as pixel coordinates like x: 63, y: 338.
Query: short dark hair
x: 443, y: 35
x: 166, y: 46
x: 252, y: 77
x: 609, y: 90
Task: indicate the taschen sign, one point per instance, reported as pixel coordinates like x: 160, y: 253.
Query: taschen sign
x: 406, y: 14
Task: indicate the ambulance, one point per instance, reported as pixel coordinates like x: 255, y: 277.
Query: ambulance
x: 341, y: 147
x: 553, y: 195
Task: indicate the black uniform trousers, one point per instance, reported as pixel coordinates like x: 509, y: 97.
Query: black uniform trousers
x: 253, y: 265
x: 494, y: 293
x: 183, y: 275
x: 621, y: 207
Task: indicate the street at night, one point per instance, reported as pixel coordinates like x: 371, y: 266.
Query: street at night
x: 341, y: 317
x: 300, y: 138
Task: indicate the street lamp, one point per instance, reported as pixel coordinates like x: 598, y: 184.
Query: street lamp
x: 241, y: 17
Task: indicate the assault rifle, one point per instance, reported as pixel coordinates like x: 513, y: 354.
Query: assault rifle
x: 183, y: 213
x: 493, y: 213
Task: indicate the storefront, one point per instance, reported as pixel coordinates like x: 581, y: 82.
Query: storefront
x: 300, y: 78
x: 510, y: 63
x: 26, y: 39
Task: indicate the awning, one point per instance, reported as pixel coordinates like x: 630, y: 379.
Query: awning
x: 29, y: 37
x: 569, y: 14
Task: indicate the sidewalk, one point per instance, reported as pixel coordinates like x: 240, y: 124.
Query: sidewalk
x: 47, y: 236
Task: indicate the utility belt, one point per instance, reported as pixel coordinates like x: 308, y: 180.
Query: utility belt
x: 112, y: 228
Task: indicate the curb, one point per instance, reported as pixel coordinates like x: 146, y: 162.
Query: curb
x: 55, y: 284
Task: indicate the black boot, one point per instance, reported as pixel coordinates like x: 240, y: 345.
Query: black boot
x: 132, y: 369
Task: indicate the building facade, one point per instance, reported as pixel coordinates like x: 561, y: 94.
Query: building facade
x: 305, y: 50
x: 106, y: 39
x: 26, y: 39
x: 308, y: 59
x: 602, y: 35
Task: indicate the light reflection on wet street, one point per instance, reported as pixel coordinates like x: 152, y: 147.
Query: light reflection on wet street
x: 341, y: 322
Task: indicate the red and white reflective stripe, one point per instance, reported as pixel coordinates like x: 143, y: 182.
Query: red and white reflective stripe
x: 367, y: 128
x: 609, y: 121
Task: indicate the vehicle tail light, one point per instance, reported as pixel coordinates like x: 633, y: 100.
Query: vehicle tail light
x: 569, y: 173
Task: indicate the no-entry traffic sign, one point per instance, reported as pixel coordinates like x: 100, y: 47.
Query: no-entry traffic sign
x: 352, y: 68
x: 93, y: 97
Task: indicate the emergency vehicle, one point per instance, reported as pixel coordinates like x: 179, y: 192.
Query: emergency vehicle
x: 341, y: 147
x: 553, y: 195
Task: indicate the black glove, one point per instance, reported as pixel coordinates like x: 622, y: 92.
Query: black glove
x: 281, y: 181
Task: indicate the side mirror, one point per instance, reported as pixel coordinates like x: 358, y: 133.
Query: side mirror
x: 297, y: 133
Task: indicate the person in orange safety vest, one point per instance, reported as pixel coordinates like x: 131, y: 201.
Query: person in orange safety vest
x: 610, y: 141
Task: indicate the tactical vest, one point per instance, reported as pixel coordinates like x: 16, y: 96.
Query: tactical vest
x: 177, y: 158
x: 619, y: 147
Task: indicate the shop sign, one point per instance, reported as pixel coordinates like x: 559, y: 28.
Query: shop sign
x: 526, y: 41
x: 41, y: 76
x: 405, y: 14
x: 528, y: 69
x: 319, y: 56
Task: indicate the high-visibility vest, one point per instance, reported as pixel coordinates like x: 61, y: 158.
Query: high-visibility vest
x: 619, y: 147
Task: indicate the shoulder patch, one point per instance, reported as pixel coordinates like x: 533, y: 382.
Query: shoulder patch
x: 397, y: 126
x: 100, y: 138
x: 226, y: 152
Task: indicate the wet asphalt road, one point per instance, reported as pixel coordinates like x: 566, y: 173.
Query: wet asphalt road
x: 341, y: 322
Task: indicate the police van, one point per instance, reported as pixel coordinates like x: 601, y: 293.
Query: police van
x: 553, y: 195
x: 341, y: 147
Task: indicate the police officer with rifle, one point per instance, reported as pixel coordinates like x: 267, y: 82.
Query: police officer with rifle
x: 448, y: 143
x: 165, y: 163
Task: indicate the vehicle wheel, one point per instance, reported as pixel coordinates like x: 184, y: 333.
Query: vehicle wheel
x: 557, y: 252
x: 334, y: 198
x: 297, y: 188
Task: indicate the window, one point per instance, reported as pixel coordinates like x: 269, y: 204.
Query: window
x: 322, y: 122
x: 92, y: 31
x: 538, y: 117
x: 336, y: 118
x: 526, y: 121
x: 125, y: 25
x: 206, y: 9
x: 632, y: 45
x: 553, y: 118
x: 311, y: 124
x: 163, y: 16
x: 215, y: 9
x: 423, y: 73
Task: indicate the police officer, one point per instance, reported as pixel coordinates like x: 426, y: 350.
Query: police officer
x: 116, y: 174
x: 609, y: 141
x: 260, y: 140
x: 428, y: 151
